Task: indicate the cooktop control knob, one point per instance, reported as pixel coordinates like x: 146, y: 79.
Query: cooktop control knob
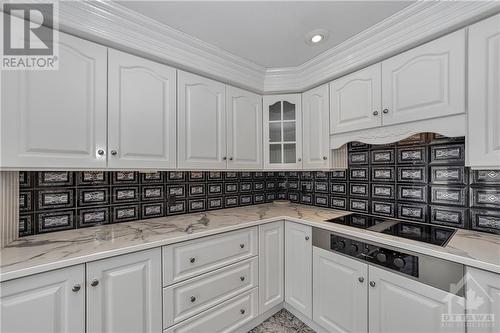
x: 341, y: 244
x: 381, y: 257
x: 354, y: 248
x: 399, y: 262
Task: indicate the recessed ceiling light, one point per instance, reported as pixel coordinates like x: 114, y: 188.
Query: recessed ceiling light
x: 316, y: 37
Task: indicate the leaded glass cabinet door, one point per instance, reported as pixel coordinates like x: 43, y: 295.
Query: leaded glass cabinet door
x: 282, y: 132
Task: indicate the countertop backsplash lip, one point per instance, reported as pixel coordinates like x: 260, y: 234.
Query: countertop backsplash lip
x: 39, y: 253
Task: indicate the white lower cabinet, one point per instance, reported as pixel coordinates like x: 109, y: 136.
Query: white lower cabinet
x: 124, y: 293
x: 48, y: 302
x: 482, y: 301
x: 399, y: 304
x: 185, y: 299
x: 225, y: 317
x: 271, y: 265
x: 339, y: 292
x: 351, y: 296
x: 298, y: 267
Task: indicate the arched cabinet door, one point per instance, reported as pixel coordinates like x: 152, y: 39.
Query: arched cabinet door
x: 201, y: 122
x: 57, y: 118
x: 425, y: 82
x: 355, y: 101
x: 142, y: 113
x: 244, y: 129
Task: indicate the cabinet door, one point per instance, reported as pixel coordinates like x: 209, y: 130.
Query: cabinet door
x: 201, y: 123
x: 483, y: 299
x: 316, y: 128
x: 483, y: 137
x: 400, y: 304
x: 244, y: 129
x: 355, y: 101
x: 142, y: 112
x: 57, y: 118
x: 271, y: 265
x: 339, y: 292
x: 46, y: 302
x: 425, y: 82
x: 127, y: 297
x: 298, y: 267
x: 282, y: 132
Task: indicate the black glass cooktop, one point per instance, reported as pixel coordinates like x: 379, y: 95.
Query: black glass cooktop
x: 412, y: 230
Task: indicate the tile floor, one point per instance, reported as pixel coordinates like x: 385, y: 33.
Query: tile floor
x: 282, y: 322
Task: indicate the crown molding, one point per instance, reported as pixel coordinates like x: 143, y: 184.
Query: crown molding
x: 113, y: 25
x: 414, y: 25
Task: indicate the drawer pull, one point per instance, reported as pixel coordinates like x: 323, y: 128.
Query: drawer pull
x: 242, y: 245
x: 193, y: 299
x: 242, y: 278
x: 192, y: 260
x: 242, y: 311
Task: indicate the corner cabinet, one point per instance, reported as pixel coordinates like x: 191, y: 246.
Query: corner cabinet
x: 282, y: 132
x: 201, y: 122
x: 298, y: 267
x: 142, y: 113
x: 48, y: 302
x: 244, y: 129
x: 57, y: 118
x: 271, y: 265
x: 316, y: 128
x: 483, y: 139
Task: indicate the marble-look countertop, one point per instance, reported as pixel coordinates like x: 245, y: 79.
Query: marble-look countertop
x: 35, y: 254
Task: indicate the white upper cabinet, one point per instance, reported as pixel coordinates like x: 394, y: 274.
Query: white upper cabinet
x: 400, y: 304
x: 298, y: 267
x: 355, y: 101
x: 425, y: 82
x: 244, y: 129
x: 316, y: 128
x: 142, y: 113
x: 282, y: 132
x: 49, y: 302
x: 57, y: 118
x: 124, y: 293
x: 201, y: 123
x: 483, y: 139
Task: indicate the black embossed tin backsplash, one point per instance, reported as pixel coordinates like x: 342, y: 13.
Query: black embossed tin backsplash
x: 421, y: 178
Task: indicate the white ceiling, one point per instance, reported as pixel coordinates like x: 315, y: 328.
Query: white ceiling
x: 268, y: 33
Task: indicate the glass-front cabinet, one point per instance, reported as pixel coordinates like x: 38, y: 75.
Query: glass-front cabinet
x: 282, y: 132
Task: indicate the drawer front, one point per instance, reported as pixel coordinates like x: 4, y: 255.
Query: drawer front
x: 187, y: 259
x: 187, y: 298
x: 225, y: 317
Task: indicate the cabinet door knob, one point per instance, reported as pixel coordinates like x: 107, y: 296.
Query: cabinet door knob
x: 242, y: 245
x: 230, y: 158
x: 361, y: 279
x: 114, y: 152
x: 242, y: 278
x: 307, y: 238
x: 375, y: 113
x: 76, y: 288
x: 100, y: 152
x: 299, y: 159
x: 372, y: 283
x: 242, y: 311
x: 385, y: 111
x: 224, y: 158
x: 192, y: 260
x: 94, y: 283
x: 325, y: 158
x: 193, y: 299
